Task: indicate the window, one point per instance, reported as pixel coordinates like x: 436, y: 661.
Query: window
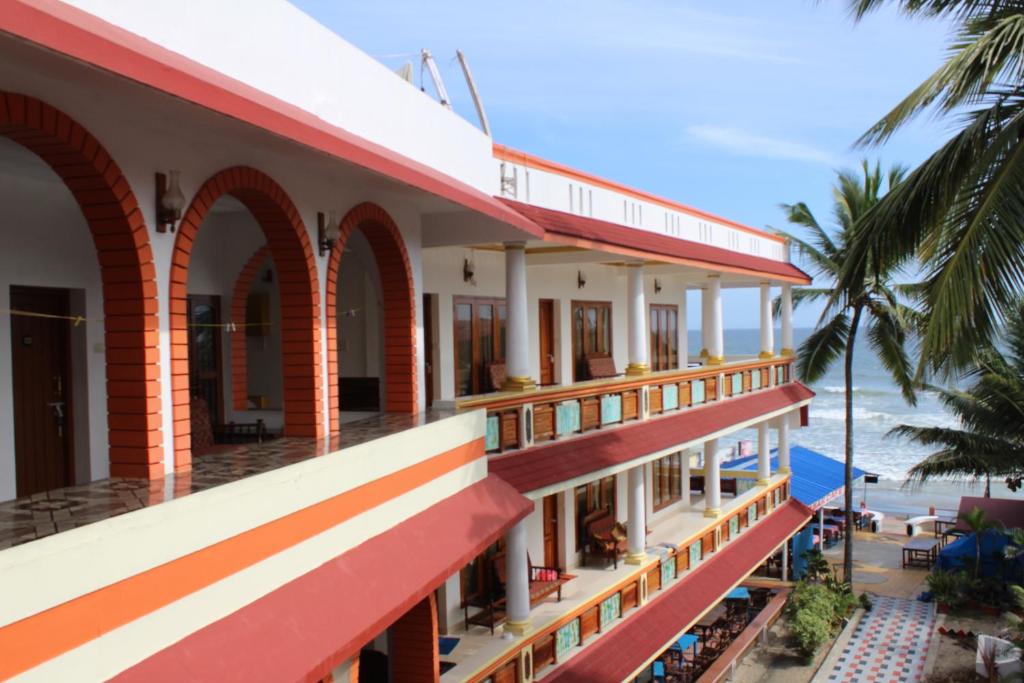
x: 597, y: 495
x: 591, y: 334
x: 667, y: 485
x: 479, y: 341
x: 664, y: 337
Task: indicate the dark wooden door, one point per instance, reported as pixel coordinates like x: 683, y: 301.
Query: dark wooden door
x: 40, y: 352
x: 204, y: 358
x: 547, y: 341
x: 551, y: 531
x: 428, y: 349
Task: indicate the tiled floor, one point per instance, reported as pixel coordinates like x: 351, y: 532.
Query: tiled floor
x: 889, y: 645
x: 27, y: 519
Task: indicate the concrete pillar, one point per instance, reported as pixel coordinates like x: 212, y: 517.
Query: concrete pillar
x: 764, y: 455
x: 636, y: 308
x: 517, y: 580
x: 705, y: 321
x: 685, y: 476
x: 712, y: 480
x: 785, y: 561
x: 821, y: 529
x: 716, y: 340
x: 786, y: 319
x: 783, y: 447
x: 517, y: 354
x: 413, y: 653
x: 636, y: 529
x: 683, y: 331
x: 767, y: 329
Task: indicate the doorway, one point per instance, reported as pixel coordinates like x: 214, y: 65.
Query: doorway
x: 479, y: 342
x: 204, y: 354
x: 546, y: 323
x: 40, y: 355
x: 551, y: 531
x: 428, y: 348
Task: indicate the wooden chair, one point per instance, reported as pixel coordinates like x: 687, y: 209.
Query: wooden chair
x: 601, y: 367
x: 497, y: 374
x: 605, y: 537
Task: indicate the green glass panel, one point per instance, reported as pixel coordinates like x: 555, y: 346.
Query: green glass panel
x: 566, y: 638
x: 611, y: 409
x: 670, y: 396
x: 752, y: 514
x: 492, y: 438
x: 734, y: 526
x: 668, y: 571
x: 737, y: 384
x: 567, y: 417
x: 610, y: 609
x: 755, y: 379
x: 694, y: 554
x: 697, y: 391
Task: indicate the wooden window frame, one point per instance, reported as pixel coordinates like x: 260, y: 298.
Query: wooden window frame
x: 578, y: 363
x: 666, y: 481
x: 499, y: 322
x: 662, y: 340
x: 596, y: 494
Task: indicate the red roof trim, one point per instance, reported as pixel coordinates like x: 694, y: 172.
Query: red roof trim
x: 83, y: 36
x: 542, y: 466
x: 304, y: 629
x: 629, y: 646
x: 559, y: 224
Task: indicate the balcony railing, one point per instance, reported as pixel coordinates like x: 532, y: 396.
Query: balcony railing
x: 520, y: 419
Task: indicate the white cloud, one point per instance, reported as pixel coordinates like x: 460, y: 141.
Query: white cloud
x: 750, y: 144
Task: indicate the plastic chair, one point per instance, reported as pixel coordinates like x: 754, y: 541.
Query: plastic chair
x: 658, y: 671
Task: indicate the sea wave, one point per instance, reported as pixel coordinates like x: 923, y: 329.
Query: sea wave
x: 857, y: 391
x: 839, y: 414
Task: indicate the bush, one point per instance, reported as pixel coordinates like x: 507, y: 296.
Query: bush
x: 814, y: 612
x: 865, y: 602
x: 948, y: 588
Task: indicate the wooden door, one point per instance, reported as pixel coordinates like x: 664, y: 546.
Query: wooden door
x: 551, y: 531
x: 591, y: 334
x: 547, y: 341
x: 204, y: 356
x: 479, y: 342
x: 40, y: 354
x: 428, y: 349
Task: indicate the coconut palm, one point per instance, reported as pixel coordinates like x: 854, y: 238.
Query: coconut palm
x: 874, y: 304
x: 980, y: 524
x: 961, y: 212
x: 989, y: 438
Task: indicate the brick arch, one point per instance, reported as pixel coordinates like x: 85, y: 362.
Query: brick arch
x: 239, y: 342
x: 290, y: 248
x: 399, y: 308
x: 126, y: 268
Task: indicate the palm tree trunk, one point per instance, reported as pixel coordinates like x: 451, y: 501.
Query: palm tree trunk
x: 848, y: 478
x: 988, y: 485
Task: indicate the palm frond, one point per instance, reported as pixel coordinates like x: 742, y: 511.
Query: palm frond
x: 827, y: 343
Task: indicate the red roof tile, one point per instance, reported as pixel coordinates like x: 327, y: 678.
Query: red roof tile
x: 627, y: 647
x: 1007, y: 511
x: 561, y: 224
x: 310, y: 625
x: 542, y: 466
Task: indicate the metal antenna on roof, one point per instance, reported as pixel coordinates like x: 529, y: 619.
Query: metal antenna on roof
x: 427, y: 60
x: 472, y: 91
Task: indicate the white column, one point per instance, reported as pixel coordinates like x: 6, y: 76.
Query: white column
x: 767, y: 331
x: 685, y: 476
x: 636, y: 308
x: 636, y: 526
x: 783, y: 427
x: 683, y: 331
x: 821, y: 529
x: 517, y: 354
x: 785, y: 561
x: 705, y: 321
x: 716, y: 340
x: 764, y: 455
x: 517, y: 580
x: 712, y: 480
x: 786, y: 316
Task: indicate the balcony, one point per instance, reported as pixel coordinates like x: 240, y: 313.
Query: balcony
x: 520, y: 419
x: 599, y: 600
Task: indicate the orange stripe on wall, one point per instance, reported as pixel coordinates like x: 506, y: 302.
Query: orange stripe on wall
x: 43, y: 636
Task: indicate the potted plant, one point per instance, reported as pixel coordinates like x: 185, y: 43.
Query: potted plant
x: 947, y: 589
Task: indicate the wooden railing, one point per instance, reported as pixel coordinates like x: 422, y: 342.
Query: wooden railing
x: 521, y: 419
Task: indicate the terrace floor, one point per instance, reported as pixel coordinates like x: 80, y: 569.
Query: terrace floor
x: 26, y: 519
x: 477, y: 648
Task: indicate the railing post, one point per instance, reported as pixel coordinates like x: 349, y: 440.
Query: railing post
x: 636, y: 308
x: 767, y: 332
x: 518, y: 325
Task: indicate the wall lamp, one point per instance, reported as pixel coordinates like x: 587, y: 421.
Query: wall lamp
x: 657, y: 286
x: 581, y: 280
x: 468, y: 271
x: 170, y: 201
x: 327, y: 230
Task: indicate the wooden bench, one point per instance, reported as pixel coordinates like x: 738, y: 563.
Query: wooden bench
x: 726, y: 485
x: 544, y: 581
x: 601, y: 541
x: 601, y: 367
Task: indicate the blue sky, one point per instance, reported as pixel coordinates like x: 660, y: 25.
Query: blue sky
x: 731, y: 107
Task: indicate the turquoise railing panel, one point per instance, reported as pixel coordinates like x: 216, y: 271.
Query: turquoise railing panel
x: 611, y: 609
x: 694, y: 554
x: 492, y: 438
x: 755, y: 379
x: 567, y: 417
x: 611, y: 408
x: 751, y: 514
x: 668, y: 571
x: 734, y: 526
x: 566, y: 638
x: 737, y: 384
x: 697, y: 391
x: 669, y: 396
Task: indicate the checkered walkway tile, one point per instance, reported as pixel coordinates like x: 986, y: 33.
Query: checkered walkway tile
x: 890, y: 644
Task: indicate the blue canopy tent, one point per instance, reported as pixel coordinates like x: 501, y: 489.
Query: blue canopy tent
x: 817, y: 478
x: 960, y: 553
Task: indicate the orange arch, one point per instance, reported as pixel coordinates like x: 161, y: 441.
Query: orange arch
x: 127, y: 270
x: 239, y: 298
x: 399, y: 308
x: 300, y: 301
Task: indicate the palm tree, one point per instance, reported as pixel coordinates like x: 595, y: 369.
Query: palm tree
x: 979, y: 524
x: 875, y: 303
x: 961, y: 212
x: 989, y: 439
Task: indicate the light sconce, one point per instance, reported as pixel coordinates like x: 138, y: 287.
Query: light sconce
x: 657, y: 286
x: 581, y: 279
x: 170, y: 201
x: 327, y: 230
x: 468, y: 271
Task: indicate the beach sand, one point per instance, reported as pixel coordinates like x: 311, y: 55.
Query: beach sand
x: 895, y: 500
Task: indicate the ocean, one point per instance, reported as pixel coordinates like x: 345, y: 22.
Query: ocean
x: 878, y: 407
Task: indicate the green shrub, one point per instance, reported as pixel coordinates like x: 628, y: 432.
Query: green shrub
x: 865, y: 602
x: 813, y: 613
x: 948, y: 588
